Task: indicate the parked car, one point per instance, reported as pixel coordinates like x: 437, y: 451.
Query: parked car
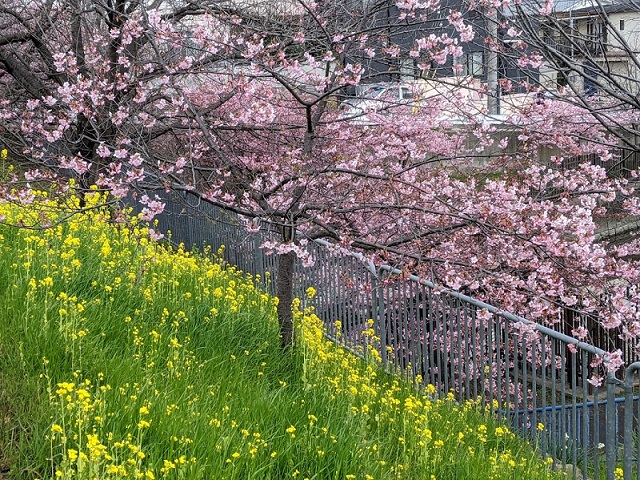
x: 378, y: 98
x: 384, y: 98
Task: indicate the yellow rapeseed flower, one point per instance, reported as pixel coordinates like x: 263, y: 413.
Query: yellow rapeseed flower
x: 73, y: 455
x: 143, y: 424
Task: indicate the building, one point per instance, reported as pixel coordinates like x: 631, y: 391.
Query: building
x: 487, y: 57
x: 592, y: 45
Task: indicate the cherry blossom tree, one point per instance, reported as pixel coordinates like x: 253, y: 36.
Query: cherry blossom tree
x: 245, y: 108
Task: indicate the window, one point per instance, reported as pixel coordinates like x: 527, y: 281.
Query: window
x: 472, y: 64
x: 408, y: 69
x: 411, y: 68
x: 557, y: 34
x: 621, y: 25
x: 596, y: 37
x: 406, y: 93
x: 371, y: 92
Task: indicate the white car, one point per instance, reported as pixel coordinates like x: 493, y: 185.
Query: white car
x: 385, y: 98
x: 378, y: 98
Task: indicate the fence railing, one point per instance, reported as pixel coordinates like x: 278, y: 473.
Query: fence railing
x: 623, y: 163
x: 536, y: 378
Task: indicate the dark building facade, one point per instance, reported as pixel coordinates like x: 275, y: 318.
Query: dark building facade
x: 475, y: 60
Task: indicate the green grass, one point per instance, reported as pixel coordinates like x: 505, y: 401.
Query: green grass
x: 120, y: 358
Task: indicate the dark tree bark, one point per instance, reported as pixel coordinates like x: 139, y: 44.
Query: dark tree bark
x: 284, y: 292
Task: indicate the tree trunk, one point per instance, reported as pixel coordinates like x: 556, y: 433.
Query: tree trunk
x: 284, y: 292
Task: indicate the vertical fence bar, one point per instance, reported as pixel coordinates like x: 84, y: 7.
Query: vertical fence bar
x: 573, y: 430
x: 422, y: 322
x: 188, y: 240
x: 332, y: 298
x: 611, y: 441
x: 440, y: 339
x: 361, y: 316
x: 474, y: 353
x: 562, y: 433
x: 543, y: 363
x: 412, y: 327
x: 503, y: 360
x: 378, y: 295
x: 432, y: 350
x: 492, y: 363
x: 342, y: 299
x: 392, y: 326
x: 554, y: 401
x: 323, y: 285
x: 389, y: 318
x: 587, y: 443
x: 596, y: 432
x: 452, y: 339
x: 467, y: 361
x: 486, y: 357
x: 636, y: 427
x: 534, y: 391
x: 630, y: 427
x: 457, y: 333
x: 403, y: 310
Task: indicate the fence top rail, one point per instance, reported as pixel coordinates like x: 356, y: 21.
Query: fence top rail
x: 506, y: 315
x: 359, y: 256
x: 377, y: 273
x: 631, y: 369
x: 570, y: 406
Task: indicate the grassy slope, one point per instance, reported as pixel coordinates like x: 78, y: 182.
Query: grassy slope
x: 120, y: 357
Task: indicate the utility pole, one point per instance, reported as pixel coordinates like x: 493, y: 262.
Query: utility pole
x: 493, y: 101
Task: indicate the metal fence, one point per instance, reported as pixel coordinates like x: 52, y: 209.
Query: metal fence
x: 535, y: 377
x: 623, y: 163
